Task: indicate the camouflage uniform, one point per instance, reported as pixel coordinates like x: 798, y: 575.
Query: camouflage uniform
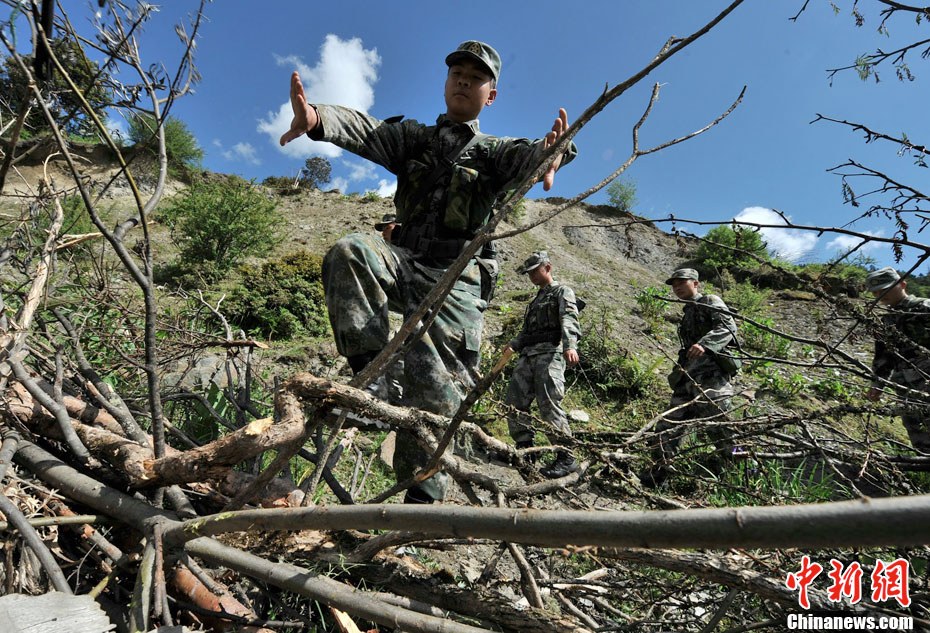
x: 550, y: 327
x: 906, y: 365
x: 705, y: 321
x: 540, y: 371
x: 363, y: 275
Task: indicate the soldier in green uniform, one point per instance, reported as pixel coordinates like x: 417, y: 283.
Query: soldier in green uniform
x: 705, y: 332
x: 448, y: 177
x: 547, y: 342
x: 901, y: 355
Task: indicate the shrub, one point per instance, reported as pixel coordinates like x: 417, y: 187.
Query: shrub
x: 732, y: 246
x: 64, y: 104
x: 282, y: 298
x: 747, y: 299
x: 760, y: 339
x: 218, y: 223
x: 784, y: 387
x: 613, y: 371
x: 622, y: 195
x: 282, y: 184
x: 651, y: 305
x: 181, y: 148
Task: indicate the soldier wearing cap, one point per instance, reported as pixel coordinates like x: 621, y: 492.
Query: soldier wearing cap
x: 706, y: 331
x: 901, y: 355
x: 547, y: 342
x: 387, y: 225
x: 448, y: 177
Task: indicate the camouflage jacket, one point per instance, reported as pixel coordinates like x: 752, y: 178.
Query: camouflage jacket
x: 550, y: 323
x: 707, y: 322
x: 460, y: 200
x: 901, y: 361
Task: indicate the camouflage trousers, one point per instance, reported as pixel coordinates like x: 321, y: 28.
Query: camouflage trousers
x: 711, y: 394
x: 364, y: 277
x: 916, y: 420
x: 539, y: 377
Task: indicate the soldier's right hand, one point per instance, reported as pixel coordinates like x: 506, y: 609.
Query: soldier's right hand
x: 874, y: 394
x: 305, y: 116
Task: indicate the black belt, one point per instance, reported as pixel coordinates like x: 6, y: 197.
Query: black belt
x: 541, y: 336
x: 431, y: 247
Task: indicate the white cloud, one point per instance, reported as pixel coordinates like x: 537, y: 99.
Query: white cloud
x: 339, y: 183
x: 386, y: 189
x: 359, y: 171
x: 790, y: 244
x: 842, y: 244
x: 345, y: 74
x: 244, y: 152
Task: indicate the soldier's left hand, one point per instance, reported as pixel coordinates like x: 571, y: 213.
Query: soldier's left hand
x: 695, y: 351
x: 558, y: 129
x: 571, y: 357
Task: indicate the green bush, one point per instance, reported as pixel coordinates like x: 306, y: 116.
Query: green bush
x: 761, y: 340
x: 282, y: 298
x: 651, y: 305
x: 285, y: 186
x: 181, y: 148
x: 774, y: 380
x: 622, y: 195
x: 218, y: 223
x: 613, y: 371
x: 747, y: 299
x: 732, y: 246
x: 64, y: 104
x: 833, y: 386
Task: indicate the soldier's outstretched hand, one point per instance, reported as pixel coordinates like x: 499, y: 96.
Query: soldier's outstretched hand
x: 305, y: 116
x: 558, y: 129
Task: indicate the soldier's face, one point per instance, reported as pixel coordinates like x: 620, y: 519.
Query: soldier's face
x: 892, y: 296
x: 468, y: 89
x: 684, y: 289
x: 541, y: 275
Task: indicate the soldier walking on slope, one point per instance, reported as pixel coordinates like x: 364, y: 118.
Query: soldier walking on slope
x: 700, y: 381
x: 547, y: 342
x: 899, y: 358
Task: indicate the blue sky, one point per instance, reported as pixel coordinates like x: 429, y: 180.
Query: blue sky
x: 387, y: 59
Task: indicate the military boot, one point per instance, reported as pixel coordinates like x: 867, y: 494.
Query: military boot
x: 563, y: 465
x: 417, y: 495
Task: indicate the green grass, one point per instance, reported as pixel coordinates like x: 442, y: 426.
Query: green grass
x: 747, y: 482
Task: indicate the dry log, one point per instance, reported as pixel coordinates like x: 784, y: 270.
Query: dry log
x: 189, y: 586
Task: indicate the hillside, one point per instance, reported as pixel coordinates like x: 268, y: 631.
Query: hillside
x: 804, y: 433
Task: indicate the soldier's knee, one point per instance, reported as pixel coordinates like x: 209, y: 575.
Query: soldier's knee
x: 346, y: 247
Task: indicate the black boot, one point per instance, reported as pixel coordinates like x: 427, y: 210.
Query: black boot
x: 415, y: 494
x: 563, y: 466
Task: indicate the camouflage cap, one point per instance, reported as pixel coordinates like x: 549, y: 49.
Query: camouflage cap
x: 881, y: 279
x: 683, y: 273
x: 477, y: 52
x: 533, y: 262
x: 387, y: 218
